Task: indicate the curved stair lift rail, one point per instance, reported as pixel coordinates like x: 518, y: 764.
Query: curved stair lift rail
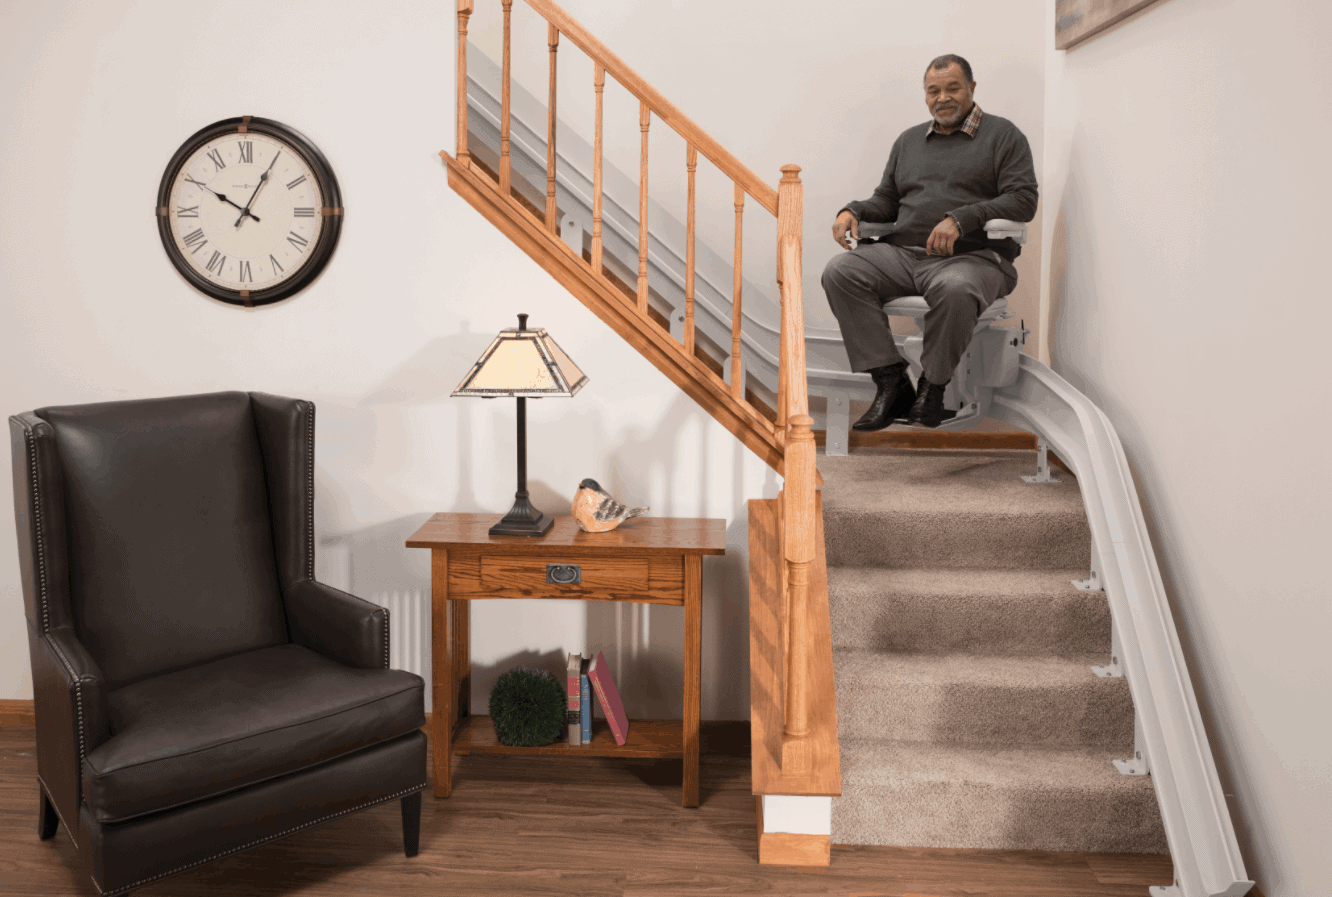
x: 1197, y: 822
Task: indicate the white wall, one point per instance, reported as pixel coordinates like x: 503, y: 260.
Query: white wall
x: 827, y: 87
x: 98, y: 96
x: 1186, y: 181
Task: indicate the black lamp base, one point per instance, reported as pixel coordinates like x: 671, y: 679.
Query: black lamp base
x: 523, y: 520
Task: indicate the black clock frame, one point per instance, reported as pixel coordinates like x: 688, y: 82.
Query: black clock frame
x: 328, y: 186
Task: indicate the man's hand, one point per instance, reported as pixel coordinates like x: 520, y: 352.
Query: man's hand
x: 846, y: 222
x: 943, y: 236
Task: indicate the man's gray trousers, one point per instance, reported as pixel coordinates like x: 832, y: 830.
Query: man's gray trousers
x: 957, y: 289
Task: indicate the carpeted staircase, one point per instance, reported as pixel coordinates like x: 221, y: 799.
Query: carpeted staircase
x: 968, y: 713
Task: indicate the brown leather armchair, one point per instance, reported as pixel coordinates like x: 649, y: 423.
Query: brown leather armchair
x: 197, y: 692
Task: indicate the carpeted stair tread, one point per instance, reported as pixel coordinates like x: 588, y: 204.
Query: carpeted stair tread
x: 945, y: 482
x: 950, y: 510
x: 1005, y: 797
x: 981, y: 611
x: 968, y: 715
x: 947, y: 540
x: 961, y: 698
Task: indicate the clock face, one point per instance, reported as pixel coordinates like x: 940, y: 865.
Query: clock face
x: 249, y: 211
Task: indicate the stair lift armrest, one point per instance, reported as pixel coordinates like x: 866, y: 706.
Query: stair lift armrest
x: 995, y: 229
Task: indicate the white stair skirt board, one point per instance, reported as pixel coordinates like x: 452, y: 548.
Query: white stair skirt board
x: 797, y: 815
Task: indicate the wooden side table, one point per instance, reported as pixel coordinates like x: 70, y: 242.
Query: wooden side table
x: 649, y: 560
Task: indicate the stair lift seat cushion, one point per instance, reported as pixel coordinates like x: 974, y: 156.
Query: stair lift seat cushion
x: 916, y: 307
x: 198, y: 733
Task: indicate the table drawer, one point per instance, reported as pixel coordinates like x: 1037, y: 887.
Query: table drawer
x: 656, y: 580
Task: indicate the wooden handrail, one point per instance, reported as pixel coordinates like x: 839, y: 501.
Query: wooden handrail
x: 713, y: 151
x: 787, y: 444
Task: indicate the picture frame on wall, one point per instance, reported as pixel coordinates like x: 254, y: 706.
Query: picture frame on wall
x: 1077, y: 20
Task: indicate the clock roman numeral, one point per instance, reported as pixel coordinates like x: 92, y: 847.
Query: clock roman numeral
x: 245, y: 273
x: 277, y: 269
x: 303, y: 211
x: 196, y: 183
x: 195, y: 240
x: 187, y: 211
x: 217, y: 261
x: 300, y: 180
x: 246, y: 151
x: 216, y: 156
x: 297, y: 240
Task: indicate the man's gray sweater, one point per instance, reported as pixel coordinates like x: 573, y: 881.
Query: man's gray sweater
x: 974, y: 179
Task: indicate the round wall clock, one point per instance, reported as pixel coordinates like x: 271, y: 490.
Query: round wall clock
x: 249, y: 211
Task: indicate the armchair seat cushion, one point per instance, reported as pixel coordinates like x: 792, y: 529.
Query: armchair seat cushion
x: 200, y: 732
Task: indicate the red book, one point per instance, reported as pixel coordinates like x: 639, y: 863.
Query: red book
x: 609, y: 698
x: 575, y: 704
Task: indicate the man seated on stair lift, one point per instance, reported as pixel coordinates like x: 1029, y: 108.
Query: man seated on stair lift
x: 945, y: 178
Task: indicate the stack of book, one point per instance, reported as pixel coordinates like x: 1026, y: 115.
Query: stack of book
x: 586, y: 676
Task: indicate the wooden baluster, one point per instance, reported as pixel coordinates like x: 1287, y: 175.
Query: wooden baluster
x: 599, y: 81
x: 737, y: 373
x: 644, y: 119
x: 464, y: 12
x: 553, y: 38
x: 691, y: 162
x: 790, y: 203
x: 504, y: 176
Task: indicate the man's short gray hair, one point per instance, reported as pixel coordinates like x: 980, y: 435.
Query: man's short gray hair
x: 939, y: 63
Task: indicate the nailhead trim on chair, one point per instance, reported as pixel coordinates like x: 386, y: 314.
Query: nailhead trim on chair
x: 386, y: 638
x: 225, y: 853
x: 309, y: 521
x: 31, y: 439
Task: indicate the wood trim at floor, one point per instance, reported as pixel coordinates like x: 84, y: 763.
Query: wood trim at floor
x: 787, y: 849
x: 912, y: 437
x: 16, y: 713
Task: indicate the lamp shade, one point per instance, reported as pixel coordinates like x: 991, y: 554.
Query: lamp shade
x: 525, y: 364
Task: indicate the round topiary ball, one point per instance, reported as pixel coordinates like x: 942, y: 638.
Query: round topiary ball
x: 527, y: 707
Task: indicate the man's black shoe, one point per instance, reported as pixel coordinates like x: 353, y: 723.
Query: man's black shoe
x: 928, y: 410
x: 893, y: 399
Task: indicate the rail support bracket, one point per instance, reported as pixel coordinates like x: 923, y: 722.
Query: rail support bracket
x: 1042, y: 465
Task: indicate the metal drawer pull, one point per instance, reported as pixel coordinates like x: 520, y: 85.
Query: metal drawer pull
x: 564, y: 574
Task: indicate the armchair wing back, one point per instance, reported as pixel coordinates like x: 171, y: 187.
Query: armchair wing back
x: 189, y: 673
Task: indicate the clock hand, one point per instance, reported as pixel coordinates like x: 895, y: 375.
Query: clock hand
x: 263, y: 178
x: 222, y: 197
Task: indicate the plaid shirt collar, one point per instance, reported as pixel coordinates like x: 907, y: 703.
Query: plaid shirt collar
x: 969, y: 127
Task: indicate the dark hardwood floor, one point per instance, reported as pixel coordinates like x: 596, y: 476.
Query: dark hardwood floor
x: 556, y: 826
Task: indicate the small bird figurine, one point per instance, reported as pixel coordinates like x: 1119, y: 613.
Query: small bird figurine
x: 596, y: 511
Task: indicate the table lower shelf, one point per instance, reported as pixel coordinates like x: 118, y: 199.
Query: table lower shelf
x: 647, y: 738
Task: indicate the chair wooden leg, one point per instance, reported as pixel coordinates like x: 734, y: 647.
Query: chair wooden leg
x: 47, y: 820
x: 411, y: 824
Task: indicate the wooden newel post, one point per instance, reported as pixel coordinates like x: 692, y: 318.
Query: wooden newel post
x: 464, y: 11
x: 798, y: 454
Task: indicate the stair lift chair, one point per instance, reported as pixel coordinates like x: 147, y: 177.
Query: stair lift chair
x: 197, y: 692
x: 991, y: 359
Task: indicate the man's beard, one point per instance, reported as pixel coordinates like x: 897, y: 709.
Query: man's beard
x: 949, y: 121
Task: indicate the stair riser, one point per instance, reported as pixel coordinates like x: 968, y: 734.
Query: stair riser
x: 956, y: 541
x: 965, y: 815
x: 1053, y: 624
x: 1098, y: 713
